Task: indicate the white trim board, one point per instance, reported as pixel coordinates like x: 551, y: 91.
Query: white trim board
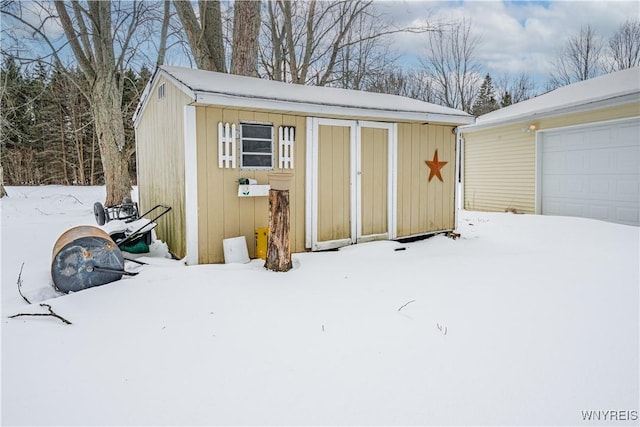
x: 191, y: 185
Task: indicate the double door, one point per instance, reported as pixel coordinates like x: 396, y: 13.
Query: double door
x: 350, y: 178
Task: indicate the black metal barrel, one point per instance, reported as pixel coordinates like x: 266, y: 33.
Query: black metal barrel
x: 84, y: 257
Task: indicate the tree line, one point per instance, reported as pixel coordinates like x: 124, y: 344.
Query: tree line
x: 72, y: 71
x: 48, y: 132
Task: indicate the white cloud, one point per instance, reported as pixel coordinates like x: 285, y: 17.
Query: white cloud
x: 44, y: 17
x: 516, y: 36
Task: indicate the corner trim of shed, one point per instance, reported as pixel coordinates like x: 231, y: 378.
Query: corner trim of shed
x: 191, y: 185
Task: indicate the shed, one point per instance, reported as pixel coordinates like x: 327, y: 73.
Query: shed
x: 574, y: 151
x: 366, y: 166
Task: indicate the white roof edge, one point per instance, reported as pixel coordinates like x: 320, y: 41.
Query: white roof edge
x: 208, y: 98
x: 144, y: 98
x: 577, y: 108
x: 210, y: 88
x: 608, y: 90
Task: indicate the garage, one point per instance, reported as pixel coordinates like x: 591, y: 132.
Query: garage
x: 573, y: 151
x: 591, y: 171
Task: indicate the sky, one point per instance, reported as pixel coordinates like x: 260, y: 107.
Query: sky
x: 517, y: 36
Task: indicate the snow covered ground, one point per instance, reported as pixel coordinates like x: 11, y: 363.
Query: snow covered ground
x: 524, y: 320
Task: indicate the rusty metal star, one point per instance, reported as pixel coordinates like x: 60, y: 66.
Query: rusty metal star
x: 435, y: 166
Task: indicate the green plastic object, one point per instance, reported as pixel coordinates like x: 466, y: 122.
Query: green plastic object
x: 139, y: 247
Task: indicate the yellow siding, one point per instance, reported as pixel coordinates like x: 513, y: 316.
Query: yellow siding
x: 221, y: 213
x: 425, y: 206
x: 619, y: 112
x: 499, y: 163
x: 499, y: 171
x: 374, y: 163
x: 160, y: 157
x: 334, y: 198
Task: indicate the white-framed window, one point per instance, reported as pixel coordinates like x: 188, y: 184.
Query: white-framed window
x: 256, y: 145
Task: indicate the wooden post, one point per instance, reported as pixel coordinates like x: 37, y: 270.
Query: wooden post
x: 279, y: 248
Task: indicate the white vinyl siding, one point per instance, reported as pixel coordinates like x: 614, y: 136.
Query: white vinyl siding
x: 499, y: 172
x: 499, y: 169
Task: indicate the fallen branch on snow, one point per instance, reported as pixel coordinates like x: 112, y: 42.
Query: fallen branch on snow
x: 441, y: 329
x: 73, y: 197
x: 20, y: 285
x: 50, y: 313
x: 406, y: 304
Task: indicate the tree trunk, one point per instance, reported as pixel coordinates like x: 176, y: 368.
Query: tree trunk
x: 166, y: 18
x: 246, y: 28
x: 278, y: 248
x: 2, y: 191
x: 93, y: 160
x: 205, y: 36
x: 106, y: 104
x: 63, y: 149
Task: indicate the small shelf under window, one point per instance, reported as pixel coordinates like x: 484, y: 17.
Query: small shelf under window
x: 253, y: 190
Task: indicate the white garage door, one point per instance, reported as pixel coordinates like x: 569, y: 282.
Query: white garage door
x: 592, y: 171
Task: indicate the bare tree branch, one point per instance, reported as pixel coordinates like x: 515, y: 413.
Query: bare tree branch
x: 20, y: 285
x: 406, y: 304
x: 578, y: 60
x: 624, y: 46
x: 452, y: 65
x: 50, y: 313
x: 73, y: 39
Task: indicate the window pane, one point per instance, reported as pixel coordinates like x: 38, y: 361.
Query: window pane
x: 256, y: 161
x: 256, y: 131
x: 256, y: 146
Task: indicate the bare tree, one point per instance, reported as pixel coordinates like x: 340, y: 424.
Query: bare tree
x: 513, y: 89
x: 579, y: 59
x: 309, y: 36
x: 207, y: 29
x: 323, y: 42
x: 2, y: 190
x: 452, y: 65
x: 624, y: 46
x: 90, y: 37
x: 204, y: 33
x: 102, y: 37
x: 364, y: 56
x: 416, y: 85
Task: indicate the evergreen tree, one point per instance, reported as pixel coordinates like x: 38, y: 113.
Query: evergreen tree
x: 486, y: 100
x: 47, y: 133
x: 19, y: 115
x: 44, y: 126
